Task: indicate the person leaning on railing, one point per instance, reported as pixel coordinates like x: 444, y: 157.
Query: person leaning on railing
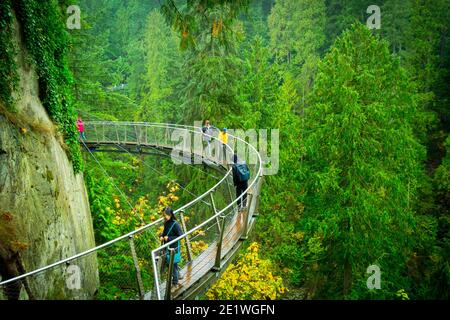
x: 80, y: 127
x: 223, y: 138
x: 208, y: 131
x: 172, y: 230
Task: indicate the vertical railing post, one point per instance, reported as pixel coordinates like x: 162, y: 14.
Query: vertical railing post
x: 156, y: 286
x: 230, y: 193
x: 246, y: 216
x: 103, y: 131
x: 167, y: 136
x: 155, y: 262
x: 125, y: 134
x: 96, y: 133
x: 117, y: 133
x: 156, y: 138
x: 137, y: 131
x: 187, y: 241
x: 138, y: 270
x: 258, y: 186
x: 217, y: 264
x: 146, y: 135
x: 215, y: 209
x: 169, y: 277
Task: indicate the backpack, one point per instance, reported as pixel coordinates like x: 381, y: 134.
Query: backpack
x: 177, y: 257
x: 243, y: 173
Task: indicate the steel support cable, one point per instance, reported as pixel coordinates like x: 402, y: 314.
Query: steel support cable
x: 207, y: 229
x: 189, y: 164
x: 116, y: 240
x: 159, y: 151
x: 166, y: 155
x: 165, y: 175
x: 118, y: 189
x: 259, y: 173
x: 233, y: 211
x: 160, y: 173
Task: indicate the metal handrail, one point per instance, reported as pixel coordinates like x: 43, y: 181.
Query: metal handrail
x: 132, y: 233
x: 218, y: 214
x: 259, y: 174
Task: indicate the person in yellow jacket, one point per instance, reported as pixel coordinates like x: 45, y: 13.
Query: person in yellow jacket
x: 223, y: 138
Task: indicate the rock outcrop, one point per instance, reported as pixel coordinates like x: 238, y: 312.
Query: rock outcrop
x: 44, y: 207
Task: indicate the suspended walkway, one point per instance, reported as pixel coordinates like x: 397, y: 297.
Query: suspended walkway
x: 213, y: 228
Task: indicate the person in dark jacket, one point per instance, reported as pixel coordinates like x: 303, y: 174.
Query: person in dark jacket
x: 207, y: 130
x: 241, y: 185
x: 172, y: 230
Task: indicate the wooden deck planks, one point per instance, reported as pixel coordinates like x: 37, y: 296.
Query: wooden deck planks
x: 202, y: 264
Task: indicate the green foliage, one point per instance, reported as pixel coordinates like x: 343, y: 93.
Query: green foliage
x: 440, y: 255
x: 362, y: 164
x: 210, y: 37
x: 442, y: 179
x: 100, y: 192
x: 351, y: 190
x: 209, y: 88
x: 256, y: 89
x: 209, y: 83
x: 297, y: 29
x: 342, y: 14
x: 154, y: 84
x: 297, y: 34
x: 204, y: 24
x: 46, y: 40
x: 8, y: 67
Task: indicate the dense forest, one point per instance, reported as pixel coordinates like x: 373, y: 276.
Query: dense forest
x: 363, y: 114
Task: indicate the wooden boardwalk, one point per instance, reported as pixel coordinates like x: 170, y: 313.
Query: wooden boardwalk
x: 205, y: 268
x: 201, y: 265
x: 199, y: 274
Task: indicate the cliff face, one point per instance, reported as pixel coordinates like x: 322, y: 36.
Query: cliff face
x: 44, y: 208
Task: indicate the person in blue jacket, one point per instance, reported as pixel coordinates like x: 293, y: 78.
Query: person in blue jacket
x: 172, y: 230
x: 241, y: 175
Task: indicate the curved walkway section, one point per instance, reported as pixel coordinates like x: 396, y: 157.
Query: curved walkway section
x: 136, y: 265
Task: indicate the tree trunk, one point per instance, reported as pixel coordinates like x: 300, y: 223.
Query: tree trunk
x: 347, y: 277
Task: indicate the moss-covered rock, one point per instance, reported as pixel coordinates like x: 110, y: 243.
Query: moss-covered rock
x: 46, y: 203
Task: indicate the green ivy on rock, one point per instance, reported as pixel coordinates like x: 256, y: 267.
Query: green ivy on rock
x: 8, y: 67
x: 47, y: 41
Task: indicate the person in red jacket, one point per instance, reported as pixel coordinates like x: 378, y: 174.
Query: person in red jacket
x: 80, y: 126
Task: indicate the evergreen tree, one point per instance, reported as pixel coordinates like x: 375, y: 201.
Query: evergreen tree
x: 155, y: 84
x: 361, y: 171
x: 258, y: 87
x: 210, y: 36
x: 297, y: 29
x: 396, y: 20
x: 297, y: 33
x: 341, y: 14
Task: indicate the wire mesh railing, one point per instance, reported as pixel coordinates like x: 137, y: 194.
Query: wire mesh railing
x: 136, y: 265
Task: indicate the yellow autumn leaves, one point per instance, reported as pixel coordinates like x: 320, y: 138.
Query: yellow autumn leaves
x: 167, y: 200
x: 142, y: 212
x: 250, y: 278
x: 217, y: 28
